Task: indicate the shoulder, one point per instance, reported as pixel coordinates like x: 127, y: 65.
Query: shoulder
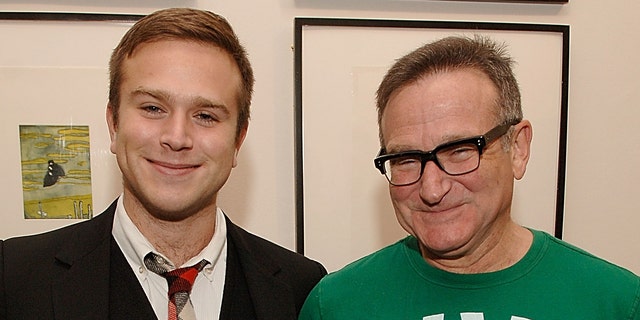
x: 385, y: 263
x: 578, y: 258
x: 277, y: 269
x: 34, y: 262
x: 47, y: 243
x: 356, y: 285
x: 563, y: 258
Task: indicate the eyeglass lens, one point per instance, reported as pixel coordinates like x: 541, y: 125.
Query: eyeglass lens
x: 455, y: 159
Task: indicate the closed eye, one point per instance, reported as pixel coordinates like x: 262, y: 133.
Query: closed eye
x: 152, y: 110
x: 459, y: 153
x: 206, y: 118
x: 404, y: 161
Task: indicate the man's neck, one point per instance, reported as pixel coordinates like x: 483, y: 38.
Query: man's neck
x: 500, y: 250
x: 179, y: 241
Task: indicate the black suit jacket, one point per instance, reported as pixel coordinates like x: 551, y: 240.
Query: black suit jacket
x: 78, y: 272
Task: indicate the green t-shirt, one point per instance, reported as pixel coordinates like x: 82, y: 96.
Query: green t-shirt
x: 554, y: 281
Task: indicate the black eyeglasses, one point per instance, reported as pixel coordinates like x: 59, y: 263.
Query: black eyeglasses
x: 455, y: 158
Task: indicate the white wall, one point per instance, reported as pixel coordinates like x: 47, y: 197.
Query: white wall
x: 601, y: 214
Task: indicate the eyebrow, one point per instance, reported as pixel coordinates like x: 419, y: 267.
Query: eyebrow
x: 166, y: 97
x: 445, y: 139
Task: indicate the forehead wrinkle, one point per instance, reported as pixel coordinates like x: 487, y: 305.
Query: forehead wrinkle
x: 400, y: 148
x: 446, y: 138
x: 156, y: 94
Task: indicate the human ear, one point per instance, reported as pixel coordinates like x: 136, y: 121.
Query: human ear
x: 239, y: 141
x: 521, y: 148
x: 112, y: 128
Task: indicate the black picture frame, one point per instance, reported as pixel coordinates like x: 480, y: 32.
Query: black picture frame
x: 334, y: 27
x: 69, y: 16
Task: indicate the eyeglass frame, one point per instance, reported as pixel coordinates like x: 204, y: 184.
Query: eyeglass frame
x: 480, y: 142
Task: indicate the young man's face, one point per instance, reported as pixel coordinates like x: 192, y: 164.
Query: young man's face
x: 175, y: 140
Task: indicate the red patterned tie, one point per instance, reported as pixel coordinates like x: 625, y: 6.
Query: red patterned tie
x: 180, y: 282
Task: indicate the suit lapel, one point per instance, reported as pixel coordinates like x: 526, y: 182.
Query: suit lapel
x: 93, y: 267
x: 127, y: 300
x: 272, y: 299
x: 236, y: 301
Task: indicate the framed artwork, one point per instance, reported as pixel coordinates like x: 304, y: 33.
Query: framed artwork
x: 340, y: 197
x: 56, y: 172
x: 53, y: 90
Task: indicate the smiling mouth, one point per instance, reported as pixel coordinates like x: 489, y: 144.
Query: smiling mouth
x: 173, y: 168
x: 441, y: 209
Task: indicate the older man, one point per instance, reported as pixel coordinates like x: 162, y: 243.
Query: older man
x: 453, y: 140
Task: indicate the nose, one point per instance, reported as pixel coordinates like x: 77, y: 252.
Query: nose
x: 176, y: 133
x: 434, y: 184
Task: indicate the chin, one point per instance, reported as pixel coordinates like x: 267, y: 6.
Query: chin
x: 441, y: 240
x: 174, y: 209
x: 173, y: 214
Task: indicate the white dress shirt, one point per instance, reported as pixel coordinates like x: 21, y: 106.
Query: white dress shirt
x: 206, y: 295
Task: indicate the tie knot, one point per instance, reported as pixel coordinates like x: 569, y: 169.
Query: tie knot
x: 179, y: 280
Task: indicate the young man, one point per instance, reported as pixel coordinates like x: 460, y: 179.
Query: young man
x: 453, y: 140
x: 178, y: 113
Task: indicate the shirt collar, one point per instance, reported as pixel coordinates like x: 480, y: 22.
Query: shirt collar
x: 135, y: 246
